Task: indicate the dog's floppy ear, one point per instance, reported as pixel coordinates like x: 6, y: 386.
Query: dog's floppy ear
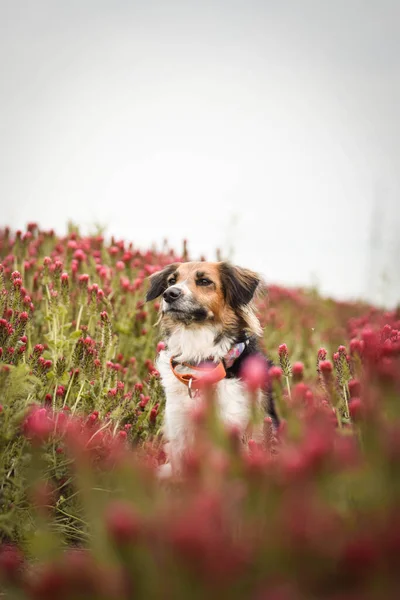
x: 239, y: 285
x: 158, y: 282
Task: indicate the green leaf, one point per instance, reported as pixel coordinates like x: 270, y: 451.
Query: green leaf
x: 75, y: 335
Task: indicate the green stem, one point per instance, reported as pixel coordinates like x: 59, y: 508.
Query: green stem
x: 53, y: 321
x: 339, y: 418
x: 68, y: 389
x: 90, y: 325
x: 55, y: 326
x: 54, y: 395
x: 98, y: 431
x: 63, y: 323
x: 288, y: 387
x: 347, y: 411
x: 73, y: 517
x: 116, y: 427
x: 78, y: 398
x: 48, y: 293
x: 78, y: 321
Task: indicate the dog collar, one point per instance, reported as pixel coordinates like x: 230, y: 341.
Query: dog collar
x: 193, y: 381
x: 216, y: 373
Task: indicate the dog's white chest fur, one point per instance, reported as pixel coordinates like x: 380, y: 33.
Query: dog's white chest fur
x: 232, y: 399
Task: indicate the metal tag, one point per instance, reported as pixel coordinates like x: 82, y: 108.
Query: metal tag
x: 190, y: 388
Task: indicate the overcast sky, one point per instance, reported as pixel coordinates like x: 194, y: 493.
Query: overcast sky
x: 268, y: 128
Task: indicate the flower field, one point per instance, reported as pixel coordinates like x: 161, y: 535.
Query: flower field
x: 312, y: 513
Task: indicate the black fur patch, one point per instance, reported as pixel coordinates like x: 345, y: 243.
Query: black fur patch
x: 252, y: 349
x: 158, y: 282
x: 196, y: 315
x: 239, y: 285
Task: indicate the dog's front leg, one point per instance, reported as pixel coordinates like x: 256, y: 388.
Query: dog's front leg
x: 176, y: 432
x: 173, y: 466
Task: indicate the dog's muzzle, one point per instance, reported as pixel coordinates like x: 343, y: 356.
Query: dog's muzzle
x: 182, y: 306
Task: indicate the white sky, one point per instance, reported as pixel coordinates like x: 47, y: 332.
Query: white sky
x: 271, y: 127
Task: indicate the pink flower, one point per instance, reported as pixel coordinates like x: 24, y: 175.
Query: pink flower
x: 255, y: 372
x: 284, y: 360
x: 122, y: 522
x: 104, y: 316
x: 360, y: 554
x: 326, y: 367
x: 46, y: 582
x: 198, y: 413
x: 79, y: 255
x: 298, y: 370
x: 275, y: 373
x: 356, y: 346
x: 83, y: 279
x: 356, y: 409
x: 11, y: 562
x: 38, y: 426
x: 143, y: 400
x: 354, y: 388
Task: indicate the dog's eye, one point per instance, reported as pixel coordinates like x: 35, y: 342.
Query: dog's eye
x: 203, y: 281
x: 172, y: 281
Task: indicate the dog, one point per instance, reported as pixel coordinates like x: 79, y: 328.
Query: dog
x: 207, y: 315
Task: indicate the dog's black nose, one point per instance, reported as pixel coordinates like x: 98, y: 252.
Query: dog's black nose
x: 172, y: 294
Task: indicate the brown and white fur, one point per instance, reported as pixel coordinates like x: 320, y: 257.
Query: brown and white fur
x: 206, y: 309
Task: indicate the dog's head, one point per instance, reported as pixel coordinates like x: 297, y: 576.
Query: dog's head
x: 196, y: 293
